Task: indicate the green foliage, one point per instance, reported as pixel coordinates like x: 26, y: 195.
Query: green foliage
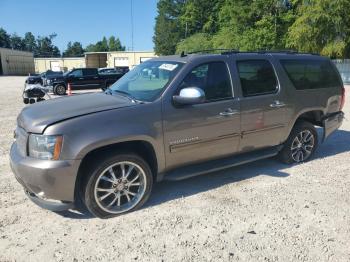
x: 73, y: 50
x: 113, y: 44
x: 168, y: 31
x: 199, y: 41
x: 322, y: 26
x: 45, y: 47
x: 17, y: 42
x: 40, y: 46
x: 5, y: 40
x: 30, y: 42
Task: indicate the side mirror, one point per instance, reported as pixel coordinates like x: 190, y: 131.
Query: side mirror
x: 190, y: 96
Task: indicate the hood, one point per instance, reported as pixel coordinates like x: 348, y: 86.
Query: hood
x: 33, y: 78
x: 35, y: 118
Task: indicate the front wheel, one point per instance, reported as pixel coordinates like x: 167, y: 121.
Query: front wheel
x: 300, y: 145
x: 59, y: 90
x: 117, y: 185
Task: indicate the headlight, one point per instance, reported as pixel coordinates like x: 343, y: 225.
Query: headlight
x: 45, y: 147
x: 48, y: 81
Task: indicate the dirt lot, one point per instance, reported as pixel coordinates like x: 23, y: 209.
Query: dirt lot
x: 260, y: 211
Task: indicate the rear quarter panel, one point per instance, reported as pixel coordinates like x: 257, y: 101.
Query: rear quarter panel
x: 326, y: 100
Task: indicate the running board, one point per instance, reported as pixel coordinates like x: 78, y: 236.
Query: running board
x: 219, y: 164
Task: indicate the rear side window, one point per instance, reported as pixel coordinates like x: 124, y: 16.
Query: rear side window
x: 257, y: 77
x: 89, y: 72
x: 311, y: 74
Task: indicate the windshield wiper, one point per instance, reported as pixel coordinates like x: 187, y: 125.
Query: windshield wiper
x: 125, y: 94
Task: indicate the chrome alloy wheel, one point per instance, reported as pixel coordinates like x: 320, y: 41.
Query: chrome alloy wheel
x: 120, y: 187
x: 302, y: 146
x: 60, y: 90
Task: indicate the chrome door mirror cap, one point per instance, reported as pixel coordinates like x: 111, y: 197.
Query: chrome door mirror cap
x: 190, y: 96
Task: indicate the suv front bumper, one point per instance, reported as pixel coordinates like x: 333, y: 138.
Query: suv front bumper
x: 46, y: 180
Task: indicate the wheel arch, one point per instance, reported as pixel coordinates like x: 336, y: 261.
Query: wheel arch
x: 142, y: 148
x: 311, y: 115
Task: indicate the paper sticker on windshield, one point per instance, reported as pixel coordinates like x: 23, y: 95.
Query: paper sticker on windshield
x: 169, y: 67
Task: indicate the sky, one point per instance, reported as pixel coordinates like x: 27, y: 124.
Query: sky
x: 83, y: 21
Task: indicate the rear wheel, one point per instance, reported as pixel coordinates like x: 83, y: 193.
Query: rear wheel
x: 59, y: 90
x: 300, y: 145
x: 117, y: 185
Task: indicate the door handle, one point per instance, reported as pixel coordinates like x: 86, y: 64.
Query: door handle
x: 81, y: 78
x: 277, y: 104
x: 229, y: 112
x: 95, y: 77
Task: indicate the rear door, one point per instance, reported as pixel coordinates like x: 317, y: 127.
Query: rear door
x: 263, y: 102
x: 91, y: 78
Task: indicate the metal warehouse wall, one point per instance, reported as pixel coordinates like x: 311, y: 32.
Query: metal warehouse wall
x: 15, y: 62
x: 128, y: 58
x: 58, y: 64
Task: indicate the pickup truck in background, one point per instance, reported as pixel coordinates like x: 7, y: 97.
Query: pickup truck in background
x: 39, y: 78
x: 81, y: 78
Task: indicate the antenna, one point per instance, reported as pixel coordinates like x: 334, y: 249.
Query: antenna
x: 132, y: 26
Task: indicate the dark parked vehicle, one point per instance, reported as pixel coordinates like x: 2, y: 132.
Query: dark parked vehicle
x: 39, y: 78
x: 114, y: 70
x: 82, y: 78
x: 172, y: 118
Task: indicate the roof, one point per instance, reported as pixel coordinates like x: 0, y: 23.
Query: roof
x: 184, y: 58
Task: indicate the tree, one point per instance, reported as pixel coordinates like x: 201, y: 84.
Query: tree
x: 29, y: 42
x: 114, y: 44
x: 46, y: 48
x: 17, y: 42
x: 73, y: 50
x: 200, y: 16
x: 168, y: 30
x: 4, y: 39
x: 322, y: 27
x: 196, y: 42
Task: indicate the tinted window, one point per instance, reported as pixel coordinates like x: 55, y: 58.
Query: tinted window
x: 213, y: 78
x: 311, y: 74
x: 90, y: 71
x: 76, y: 73
x: 257, y: 77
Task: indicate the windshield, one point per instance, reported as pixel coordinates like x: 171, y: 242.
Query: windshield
x: 147, y: 80
x: 66, y: 73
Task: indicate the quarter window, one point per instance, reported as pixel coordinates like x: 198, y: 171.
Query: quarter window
x: 311, y: 74
x: 89, y: 72
x: 213, y: 78
x: 257, y: 77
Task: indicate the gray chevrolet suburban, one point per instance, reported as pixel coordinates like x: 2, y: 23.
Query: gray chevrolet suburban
x: 172, y: 118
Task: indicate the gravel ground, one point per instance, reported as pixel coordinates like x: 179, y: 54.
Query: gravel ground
x: 260, y: 211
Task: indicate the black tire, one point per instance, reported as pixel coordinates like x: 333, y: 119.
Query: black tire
x: 289, y: 156
x: 93, y: 180
x: 60, y: 90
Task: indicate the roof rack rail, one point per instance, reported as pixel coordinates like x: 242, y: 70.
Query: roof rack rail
x: 211, y: 50
x: 224, y: 51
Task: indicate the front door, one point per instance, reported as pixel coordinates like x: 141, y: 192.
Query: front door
x: 263, y: 115
x: 203, y: 131
x: 76, y: 79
